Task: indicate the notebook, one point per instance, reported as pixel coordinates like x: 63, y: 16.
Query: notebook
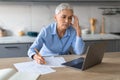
x: 12, y: 74
x: 94, y: 56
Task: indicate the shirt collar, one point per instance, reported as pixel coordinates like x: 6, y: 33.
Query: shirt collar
x: 67, y: 33
x: 54, y: 29
x: 54, y: 32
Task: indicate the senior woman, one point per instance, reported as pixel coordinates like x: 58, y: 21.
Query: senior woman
x: 59, y: 36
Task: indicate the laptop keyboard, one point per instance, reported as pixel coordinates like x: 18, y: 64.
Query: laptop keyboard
x: 77, y: 63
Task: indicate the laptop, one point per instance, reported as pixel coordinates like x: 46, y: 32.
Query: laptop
x: 94, y: 56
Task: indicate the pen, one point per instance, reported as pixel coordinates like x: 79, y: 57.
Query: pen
x: 40, y: 56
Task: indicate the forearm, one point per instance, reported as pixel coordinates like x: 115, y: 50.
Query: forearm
x: 78, y: 45
x: 37, y: 44
x: 78, y: 31
x: 31, y: 53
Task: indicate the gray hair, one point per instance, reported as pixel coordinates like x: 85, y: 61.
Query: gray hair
x: 63, y: 6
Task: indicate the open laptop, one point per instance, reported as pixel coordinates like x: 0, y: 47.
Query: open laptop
x: 94, y: 56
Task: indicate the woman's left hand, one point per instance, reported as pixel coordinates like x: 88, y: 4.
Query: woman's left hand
x: 76, y: 25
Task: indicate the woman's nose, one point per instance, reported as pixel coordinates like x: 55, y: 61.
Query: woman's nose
x: 66, y: 20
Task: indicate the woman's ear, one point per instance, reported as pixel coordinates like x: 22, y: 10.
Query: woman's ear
x: 55, y: 18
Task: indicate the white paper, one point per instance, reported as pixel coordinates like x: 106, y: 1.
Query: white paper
x: 33, y: 67
x: 54, y: 61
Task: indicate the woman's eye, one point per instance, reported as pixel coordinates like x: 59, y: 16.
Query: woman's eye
x: 70, y: 18
x: 63, y: 16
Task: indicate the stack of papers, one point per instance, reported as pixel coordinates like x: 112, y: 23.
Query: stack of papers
x: 33, y: 67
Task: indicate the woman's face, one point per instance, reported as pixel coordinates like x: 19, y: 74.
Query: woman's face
x: 64, y: 18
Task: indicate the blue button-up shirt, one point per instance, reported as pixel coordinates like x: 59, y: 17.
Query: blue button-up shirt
x: 48, y: 42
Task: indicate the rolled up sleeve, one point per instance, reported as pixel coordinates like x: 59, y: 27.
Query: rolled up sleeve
x: 38, y: 43
x: 78, y: 45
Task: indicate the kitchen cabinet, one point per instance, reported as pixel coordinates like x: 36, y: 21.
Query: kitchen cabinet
x: 14, y: 50
x: 13, y: 46
x: 112, y: 45
x: 18, y: 46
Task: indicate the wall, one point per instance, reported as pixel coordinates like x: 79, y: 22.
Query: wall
x: 29, y: 16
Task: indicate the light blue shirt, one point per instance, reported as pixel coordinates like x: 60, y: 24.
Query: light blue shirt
x: 48, y: 42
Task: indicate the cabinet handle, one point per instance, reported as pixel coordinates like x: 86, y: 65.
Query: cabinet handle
x: 10, y: 47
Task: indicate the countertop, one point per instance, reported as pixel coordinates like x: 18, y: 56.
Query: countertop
x: 100, y: 37
x: 16, y: 39
x: 28, y: 39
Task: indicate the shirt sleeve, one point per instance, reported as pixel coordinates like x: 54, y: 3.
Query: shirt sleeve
x: 38, y: 43
x: 78, y: 45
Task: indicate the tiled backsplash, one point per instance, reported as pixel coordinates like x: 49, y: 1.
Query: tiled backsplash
x: 28, y: 16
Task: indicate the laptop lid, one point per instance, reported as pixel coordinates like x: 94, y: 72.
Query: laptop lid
x: 94, y: 56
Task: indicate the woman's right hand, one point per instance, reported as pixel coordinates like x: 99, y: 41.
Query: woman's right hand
x: 76, y: 25
x: 39, y: 59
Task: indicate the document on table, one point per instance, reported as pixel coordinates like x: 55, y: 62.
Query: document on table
x: 33, y: 67
x: 54, y: 61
